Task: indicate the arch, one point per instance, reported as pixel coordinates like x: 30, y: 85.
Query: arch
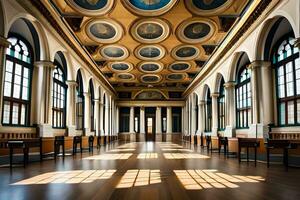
x: 60, y: 58
x: 80, y: 72
x: 2, y: 21
x: 218, y: 80
x: 205, y: 89
x: 151, y: 90
x: 273, y: 29
x: 233, y: 66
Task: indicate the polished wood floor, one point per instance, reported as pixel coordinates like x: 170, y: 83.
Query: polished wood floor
x: 148, y: 170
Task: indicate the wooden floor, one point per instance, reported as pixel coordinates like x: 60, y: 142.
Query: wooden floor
x: 149, y: 170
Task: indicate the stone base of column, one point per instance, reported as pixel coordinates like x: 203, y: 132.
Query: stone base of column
x: 140, y: 137
x: 45, y: 130
x: 132, y: 137
x: 71, y: 131
x: 229, y: 132
x: 169, y: 137
x: 158, y: 137
x: 86, y: 131
x: 257, y: 128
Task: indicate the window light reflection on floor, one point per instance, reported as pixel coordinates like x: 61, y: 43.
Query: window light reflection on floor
x: 147, y: 156
x: 174, y: 149
x: 68, y: 177
x: 174, y: 156
x: 121, y: 150
x: 118, y: 156
x: 205, y: 179
x: 143, y: 177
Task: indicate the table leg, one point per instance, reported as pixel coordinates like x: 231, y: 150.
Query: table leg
x: 11, y: 150
x: 239, y: 154
x: 255, y: 155
x: 247, y: 154
x: 268, y: 157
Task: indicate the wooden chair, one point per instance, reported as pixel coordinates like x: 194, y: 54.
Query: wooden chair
x: 208, y: 143
x: 248, y: 143
x: 223, y: 141
x: 77, y: 140
x: 59, y: 141
x: 91, y: 143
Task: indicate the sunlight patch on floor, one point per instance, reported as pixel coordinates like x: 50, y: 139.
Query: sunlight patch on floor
x: 175, y: 156
x: 127, y: 146
x: 174, y: 149
x: 121, y: 150
x: 118, y: 156
x: 68, y: 177
x: 147, y: 156
x: 143, y: 177
x: 205, y: 179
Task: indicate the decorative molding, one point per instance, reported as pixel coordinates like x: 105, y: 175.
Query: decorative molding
x: 207, y: 12
x: 44, y: 63
x: 4, y: 42
x: 89, y: 12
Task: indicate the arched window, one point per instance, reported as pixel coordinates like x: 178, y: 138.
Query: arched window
x: 208, y: 112
x: 17, y: 83
x: 104, y: 110
x: 287, y: 66
x: 92, y: 106
x: 196, y: 111
x: 221, y: 106
x: 243, y: 98
x: 79, y: 103
x: 59, y: 91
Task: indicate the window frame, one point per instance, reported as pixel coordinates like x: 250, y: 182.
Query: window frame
x: 79, y: 94
x: 220, y: 97
x: 11, y: 99
x: 208, y: 115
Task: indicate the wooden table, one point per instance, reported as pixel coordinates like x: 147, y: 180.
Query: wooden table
x: 248, y: 143
x: 24, y: 144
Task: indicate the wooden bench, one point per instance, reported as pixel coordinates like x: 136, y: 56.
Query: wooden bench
x: 248, y: 143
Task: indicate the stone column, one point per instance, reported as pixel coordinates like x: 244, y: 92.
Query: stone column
x: 3, y: 45
x: 71, y: 107
x: 117, y: 120
x: 43, y: 99
x: 131, y: 120
x: 182, y: 120
x: 106, y: 119
x: 142, y: 120
x: 214, y: 102
x: 158, y: 121
x: 101, y: 132
x: 201, y: 117
x: 87, y: 113
x: 255, y: 92
x: 96, y: 116
x: 230, y: 109
x: 193, y: 116
x: 169, y: 120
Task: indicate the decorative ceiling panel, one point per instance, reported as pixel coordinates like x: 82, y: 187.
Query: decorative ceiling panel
x: 150, y: 44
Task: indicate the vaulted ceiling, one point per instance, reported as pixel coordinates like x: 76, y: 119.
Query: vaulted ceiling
x: 157, y: 46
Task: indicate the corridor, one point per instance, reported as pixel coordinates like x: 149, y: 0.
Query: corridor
x: 148, y: 170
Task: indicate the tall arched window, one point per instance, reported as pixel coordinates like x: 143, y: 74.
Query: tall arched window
x: 79, y: 103
x: 208, y: 111
x: 92, y: 106
x: 17, y: 82
x: 221, y: 106
x: 59, y: 91
x: 287, y: 66
x: 243, y: 98
x: 104, y: 110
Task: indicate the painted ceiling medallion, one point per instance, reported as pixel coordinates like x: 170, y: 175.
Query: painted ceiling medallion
x: 104, y: 31
x: 150, y: 30
x: 91, y: 7
x: 176, y: 76
x: 125, y: 76
x: 180, y: 66
x: 150, y: 67
x: 149, y: 7
x: 114, y: 52
x: 208, y: 7
x: 120, y: 66
x: 150, y: 78
x: 150, y: 52
x: 196, y: 30
x: 185, y: 52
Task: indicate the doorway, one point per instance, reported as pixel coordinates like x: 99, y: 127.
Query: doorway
x: 150, y: 124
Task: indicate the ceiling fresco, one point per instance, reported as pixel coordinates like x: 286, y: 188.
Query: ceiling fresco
x: 146, y: 45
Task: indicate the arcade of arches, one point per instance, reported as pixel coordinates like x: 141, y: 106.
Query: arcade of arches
x: 152, y: 92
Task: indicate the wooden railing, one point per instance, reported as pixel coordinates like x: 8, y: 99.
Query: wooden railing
x: 4, y: 137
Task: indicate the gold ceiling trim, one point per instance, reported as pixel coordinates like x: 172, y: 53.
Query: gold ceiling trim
x: 159, y: 64
x: 161, y: 22
x: 180, y: 30
x: 212, y: 12
x: 149, y: 13
x: 149, y: 75
x: 130, y: 66
x: 161, y: 49
x: 88, y: 12
x: 119, y: 32
x: 117, y: 77
x: 184, y: 76
x: 180, y: 62
x: 123, y: 57
x: 174, y: 50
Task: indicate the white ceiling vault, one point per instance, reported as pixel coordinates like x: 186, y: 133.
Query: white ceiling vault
x: 151, y: 46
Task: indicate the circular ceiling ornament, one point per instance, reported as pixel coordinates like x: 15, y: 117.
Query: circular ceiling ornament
x: 150, y: 67
x: 149, y: 7
x: 176, y: 76
x: 114, y: 52
x: 180, y: 66
x: 196, y: 30
x: 150, y: 52
x: 150, y: 30
x: 208, y: 7
x: 151, y: 78
x: 125, y: 76
x: 91, y: 7
x: 120, y: 66
x: 185, y: 52
x: 104, y: 30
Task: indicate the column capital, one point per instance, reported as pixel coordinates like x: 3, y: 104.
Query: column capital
x: 297, y: 43
x: 216, y: 94
x: 71, y: 83
x: 229, y: 84
x: 44, y: 63
x: 4, y: 42
x: 259, y: 63
x: 201, y: 102
x: 158, y: 108
x: 97, y: 101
